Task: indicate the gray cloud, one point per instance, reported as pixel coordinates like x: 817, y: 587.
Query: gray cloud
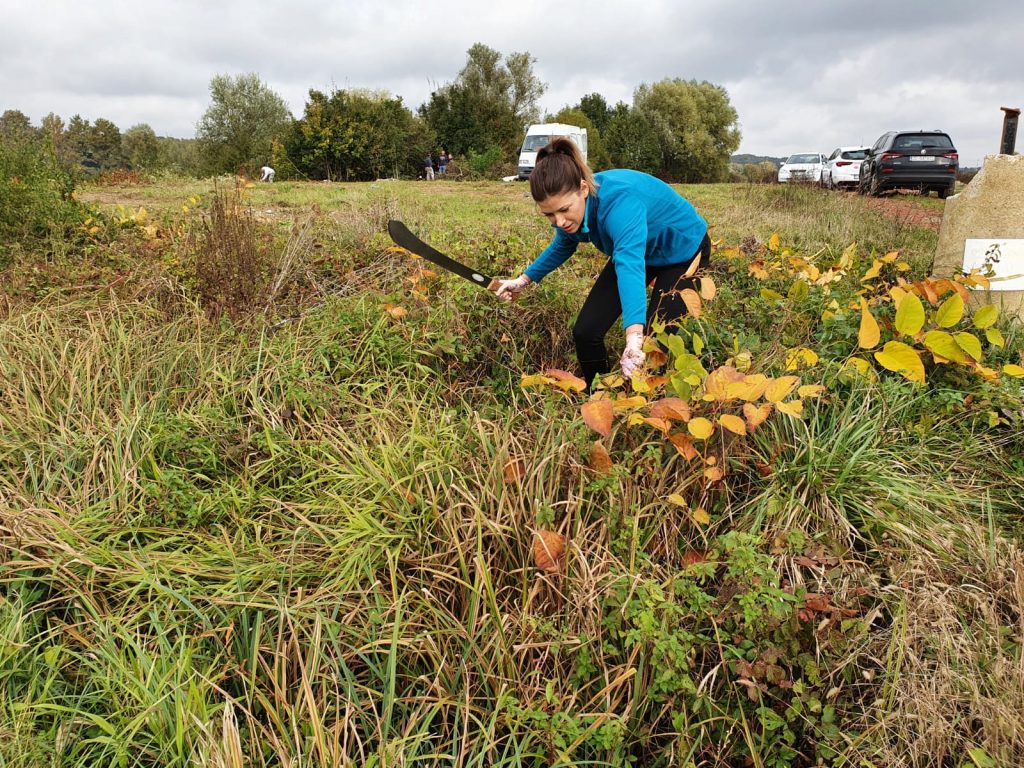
x: 803, y: 76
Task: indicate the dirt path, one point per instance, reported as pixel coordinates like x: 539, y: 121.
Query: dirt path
x: 907, y: 212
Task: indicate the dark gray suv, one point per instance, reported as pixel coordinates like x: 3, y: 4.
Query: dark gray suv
x: 920, y: 160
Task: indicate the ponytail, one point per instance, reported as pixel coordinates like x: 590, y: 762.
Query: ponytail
x: 560, y: 168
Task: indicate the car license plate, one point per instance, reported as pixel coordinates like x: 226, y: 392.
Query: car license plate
x: 925, y: 159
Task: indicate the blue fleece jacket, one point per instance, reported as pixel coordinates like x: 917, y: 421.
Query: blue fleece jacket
x: 639, y: 221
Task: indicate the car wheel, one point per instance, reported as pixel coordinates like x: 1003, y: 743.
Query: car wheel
x: 944, y: 192
x: 875, y: 187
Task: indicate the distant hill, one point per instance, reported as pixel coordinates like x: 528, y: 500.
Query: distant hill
x: 755, y: 159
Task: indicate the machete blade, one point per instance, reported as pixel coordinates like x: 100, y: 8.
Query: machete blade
x: 407, y: 240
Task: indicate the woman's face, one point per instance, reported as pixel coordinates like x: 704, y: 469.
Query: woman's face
x: 566, y: 211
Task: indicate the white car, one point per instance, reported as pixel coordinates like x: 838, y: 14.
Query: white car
x: 804, y: 168
x: 842, y: 169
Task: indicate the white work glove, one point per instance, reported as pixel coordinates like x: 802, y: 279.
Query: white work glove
x: 509, y: 290
x: 633, y: 356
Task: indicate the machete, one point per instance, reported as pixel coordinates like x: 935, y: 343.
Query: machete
x: 407, y: 240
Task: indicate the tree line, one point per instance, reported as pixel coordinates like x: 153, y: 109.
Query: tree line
x: 681, y: 130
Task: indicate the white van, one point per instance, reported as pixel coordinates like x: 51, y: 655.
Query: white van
x: 541, y: 134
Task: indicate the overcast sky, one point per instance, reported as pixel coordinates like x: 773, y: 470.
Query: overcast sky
x: 803, y: 76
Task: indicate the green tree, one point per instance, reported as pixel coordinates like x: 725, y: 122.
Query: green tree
x: 15, y: 125
x: 488, y: 105
x: 105, y: 145
x: 597, y: 153
x: 237, y: 129
x: 140, y: 147
x: 356, y: 135
x: 596, y: 109
x: 633, y: 140
x: 696, y: 127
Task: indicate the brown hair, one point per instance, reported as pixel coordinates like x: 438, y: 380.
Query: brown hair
x: 560, y: 168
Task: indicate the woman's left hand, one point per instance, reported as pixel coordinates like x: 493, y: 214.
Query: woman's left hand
x: 633, y: 356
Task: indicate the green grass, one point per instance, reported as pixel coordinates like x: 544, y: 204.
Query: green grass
x: 303, y: 543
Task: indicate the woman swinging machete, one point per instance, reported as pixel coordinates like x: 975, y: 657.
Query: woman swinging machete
x: 649, y: 231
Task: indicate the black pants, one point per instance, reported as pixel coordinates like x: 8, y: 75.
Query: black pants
x: 603, y: 307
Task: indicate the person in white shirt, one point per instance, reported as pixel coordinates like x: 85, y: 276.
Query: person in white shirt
x: 268, y: 173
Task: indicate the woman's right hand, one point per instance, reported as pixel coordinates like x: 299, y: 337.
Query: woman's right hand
x: 509, y: 290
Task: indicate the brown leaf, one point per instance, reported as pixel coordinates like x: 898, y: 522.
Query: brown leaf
x: 515, y: 470
x: 714, y: 474
x: 396, y: 312
x: 598, y: 459
x: 817, y: 602
x: 707, y: 288
x: 598, y: 414
x: 549, y: 551
x: 656, y: 358
x: 764, y: 470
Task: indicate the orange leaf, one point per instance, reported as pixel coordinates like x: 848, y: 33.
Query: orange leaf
x: 396, y: 312
x: 548, y: 551
x: 597, y: 414
x: 663, y: 425
x: 514, y: 471
x: 693, y: 556
x: 671, y: 408
x: 717, y: 382
x: 656, y: 358
x: 778, y: 388
x: 684, y: 444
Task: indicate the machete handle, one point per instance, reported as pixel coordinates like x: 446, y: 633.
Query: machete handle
x: 494, y: 285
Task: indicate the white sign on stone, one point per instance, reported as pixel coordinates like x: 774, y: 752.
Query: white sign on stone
x: 1002, y: 259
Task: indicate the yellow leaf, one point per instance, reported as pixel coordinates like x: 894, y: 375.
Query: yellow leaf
x: 750, y: 389
x: 756, y: 414
x: 714, y: 474
x: 678, y: 500
x: 970, y: 344
x: 700, y: 516
x: 565, y: 380
x: 1013, y: 370
x: 896, y: 294
x: 700, y: 428
x: 801, y: 357
x: 995, y: 337
x: 598, y: 414
x: 890, y: 257
x: 810, y: 390
x: 848, y: 255
x: 535, y: 380
x: 780, y: 387
x: 625, y: 403
x: 897, y: 356
x: 716, y: 385
x: 873, y: 271
x: 769, y: 295
x: 856, y: 367
x: 773, y: 242
x: 943, y: 344
x: 733, y: 423
x: 708, y: 289
x: 869, y: 333
x: 794, y: 408
x: 986, y: 316
x: 635, y: 419
x: 951, y: 311
x: 909, y: 315
x: 692, y: 302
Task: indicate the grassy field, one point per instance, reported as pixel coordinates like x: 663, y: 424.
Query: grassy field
x: 270, y: 495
